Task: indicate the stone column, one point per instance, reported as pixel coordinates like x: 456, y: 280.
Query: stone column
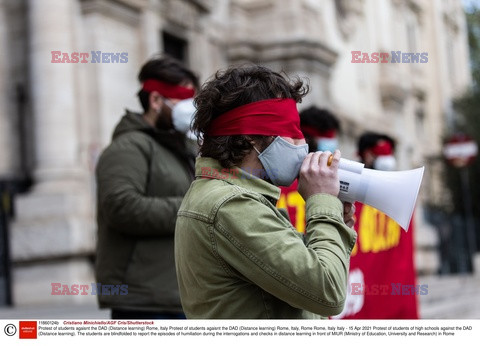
x: 53, y: 91
x: 8, y: 158
x: 3, y: 77
x: 53, y: 228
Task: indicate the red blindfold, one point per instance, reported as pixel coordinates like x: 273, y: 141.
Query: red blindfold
x: 314, y: 132
x: 382, y: 148
x: 170, y: 91
x: 272, y: 117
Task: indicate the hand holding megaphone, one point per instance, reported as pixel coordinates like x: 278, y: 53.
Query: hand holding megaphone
x: 393, y: 193
x: 316, y: 177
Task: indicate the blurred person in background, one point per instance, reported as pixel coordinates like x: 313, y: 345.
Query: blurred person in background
x: 320, y: 128
x: 382, y: 278
x: 377, y: 151
x: 237, y: 255
x: 142, y: 177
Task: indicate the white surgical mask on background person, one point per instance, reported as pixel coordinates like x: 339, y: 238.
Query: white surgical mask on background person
x: 182, y: 114
x: 282, y: 161
x: 385, y: 163
x: 327, y: 144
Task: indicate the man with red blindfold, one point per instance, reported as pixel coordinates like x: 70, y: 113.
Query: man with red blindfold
x: 142, y: 177
x: 237, y: 255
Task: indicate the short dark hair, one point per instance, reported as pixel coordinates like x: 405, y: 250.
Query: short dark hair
x: 232, y: 88
x: 370, y: 139
x: 319, y: 118
x: 166, y: 69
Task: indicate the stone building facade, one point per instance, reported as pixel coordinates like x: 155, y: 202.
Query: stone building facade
x: 56, y: 116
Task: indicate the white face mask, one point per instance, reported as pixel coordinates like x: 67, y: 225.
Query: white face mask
x: 385, y: 163
x: 182, y: 114
x: 282, y: 161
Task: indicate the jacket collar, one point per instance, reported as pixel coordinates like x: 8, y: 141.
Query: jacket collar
x: 174, y: 141
x: 206, y: 167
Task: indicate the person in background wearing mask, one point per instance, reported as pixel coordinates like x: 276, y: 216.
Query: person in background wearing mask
x: 376, y: 151
x: 320, y: 128
x: 382, y: 278
x: 237, y: 256
x: 142, y: 177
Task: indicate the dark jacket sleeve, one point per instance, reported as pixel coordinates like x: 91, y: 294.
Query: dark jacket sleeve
x: 122, y: 175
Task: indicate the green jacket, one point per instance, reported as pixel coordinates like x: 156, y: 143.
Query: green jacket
x: 142, y: 177
x: 238, y: 257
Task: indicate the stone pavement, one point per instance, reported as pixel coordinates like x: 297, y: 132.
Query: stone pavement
x: 451, y: 297
x: 85, y: 311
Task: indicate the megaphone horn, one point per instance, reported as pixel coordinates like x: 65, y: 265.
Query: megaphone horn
x: 392, y: 192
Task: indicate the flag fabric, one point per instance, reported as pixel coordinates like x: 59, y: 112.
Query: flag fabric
x: 293, y: 202
x: 382, y: 279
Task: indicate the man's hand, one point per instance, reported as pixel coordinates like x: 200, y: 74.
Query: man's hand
x: 316, y: 176
x: 348, y: 214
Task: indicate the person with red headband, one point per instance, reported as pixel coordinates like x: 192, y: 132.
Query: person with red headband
x: 142, y: 177
x: 376, y: 151
x: 237, y: 255
x: 320, y: 128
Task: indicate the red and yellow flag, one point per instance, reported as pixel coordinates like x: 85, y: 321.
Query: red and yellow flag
x: 382, y: 280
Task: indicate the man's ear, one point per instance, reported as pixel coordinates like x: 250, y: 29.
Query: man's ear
x: 251, y: 141
x: 155, y: 101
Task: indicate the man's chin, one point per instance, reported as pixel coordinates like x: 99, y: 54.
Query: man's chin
x: 164, y: 124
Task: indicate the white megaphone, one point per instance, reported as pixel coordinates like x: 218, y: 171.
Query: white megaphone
x: 393, y: 193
